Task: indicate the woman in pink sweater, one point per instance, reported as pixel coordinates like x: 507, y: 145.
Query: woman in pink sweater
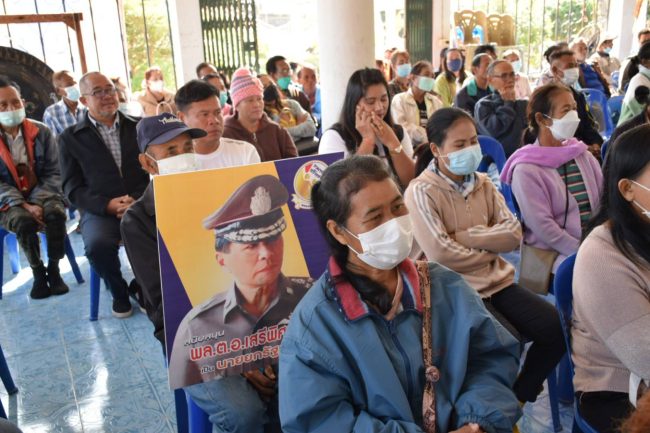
x: 611, y: 288
x: 555, y: 180
x: 461, y: 221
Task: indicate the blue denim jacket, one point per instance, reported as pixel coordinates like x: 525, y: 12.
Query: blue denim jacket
x: 344, y: 368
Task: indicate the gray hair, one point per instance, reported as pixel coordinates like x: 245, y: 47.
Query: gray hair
x: 494, y: 64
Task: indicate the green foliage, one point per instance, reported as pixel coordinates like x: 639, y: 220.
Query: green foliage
x: 157, y: 37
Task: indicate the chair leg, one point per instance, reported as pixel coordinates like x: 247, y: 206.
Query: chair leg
x: 551, y: 380
x: 5, y: 375
x: 94, y: 294
x: 199, y: 421
x: 181, y: 402
x: 565, y: 381
x: 69, y: 252
x: 3, y: 236
x: 3, y: 414
x: 14, y: 256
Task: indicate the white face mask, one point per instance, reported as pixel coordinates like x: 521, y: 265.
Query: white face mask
x: 645, y: 211
x: 388, y: 245
x: 156, y: 86
x: 183, y: 163
x: 565, y: 128
x: 571, y: 76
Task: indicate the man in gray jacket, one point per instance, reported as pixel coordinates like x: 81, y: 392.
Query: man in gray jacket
x: 30, y: 190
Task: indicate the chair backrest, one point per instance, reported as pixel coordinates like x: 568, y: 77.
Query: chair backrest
x: 501, y: 29
x: 599, y: 108
x: 492, y: 148
x: 615, y: 104
x: 198, y: 420
x: 615, y: 77
x: 468, y: 20
x: 563, y: 291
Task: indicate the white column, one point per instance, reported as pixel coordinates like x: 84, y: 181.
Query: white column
x: 441, y: 20
x: 347, y: 42
x: 622, y: 23
x: 187, y: 38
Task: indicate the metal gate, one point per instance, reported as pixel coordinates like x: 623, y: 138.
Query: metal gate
x: 418, y: 29
x: 229, y: 34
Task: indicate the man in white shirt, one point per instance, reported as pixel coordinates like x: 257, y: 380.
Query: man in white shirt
x: 198, y: 107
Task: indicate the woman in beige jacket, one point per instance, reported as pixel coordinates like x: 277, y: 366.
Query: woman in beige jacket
x: 461, y: 221
x: 412, y: 109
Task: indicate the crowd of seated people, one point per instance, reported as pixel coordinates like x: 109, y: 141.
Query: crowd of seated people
x: 416, y: 233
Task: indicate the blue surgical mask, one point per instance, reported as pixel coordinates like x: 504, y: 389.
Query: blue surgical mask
x: 223, y: 98
x: 72, y: 93
x: 404, y: 70
x: 516, y: 66
x: 9, y: 119
x: 426, y: 84
x: 464, y: 161
x: 454, y: 65
x: 607, y: 50
x: 284, y: 82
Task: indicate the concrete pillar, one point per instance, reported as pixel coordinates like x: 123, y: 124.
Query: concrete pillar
x: 621, y: 22
x: 347, y: 42
x: 441, y: 10
x: 187, y: 38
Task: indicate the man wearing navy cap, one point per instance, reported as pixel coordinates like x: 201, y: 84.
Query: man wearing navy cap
x: 165, y: 145
x: 248, y: 230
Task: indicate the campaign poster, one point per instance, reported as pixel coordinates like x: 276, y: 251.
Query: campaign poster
x: 238, y: 249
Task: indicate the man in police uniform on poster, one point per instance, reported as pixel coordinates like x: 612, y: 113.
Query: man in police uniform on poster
x: 239, y: 330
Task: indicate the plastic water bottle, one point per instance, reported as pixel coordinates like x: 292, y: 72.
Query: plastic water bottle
x: 460, y: 36
x: 478, y: 35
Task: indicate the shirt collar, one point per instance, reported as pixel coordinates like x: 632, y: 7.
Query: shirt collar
x: 465, y: 188
x: 354, y: 307
x: 233, y: 299
x: 116, y: 123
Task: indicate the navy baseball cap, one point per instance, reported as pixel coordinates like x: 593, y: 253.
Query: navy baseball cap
x: 162, y: 128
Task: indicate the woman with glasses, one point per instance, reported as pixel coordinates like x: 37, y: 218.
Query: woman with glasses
x: 501, y: 115
x: 413, y: 108
x: 611, y: 288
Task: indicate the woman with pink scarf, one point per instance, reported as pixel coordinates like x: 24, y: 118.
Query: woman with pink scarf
x: 555, y: 180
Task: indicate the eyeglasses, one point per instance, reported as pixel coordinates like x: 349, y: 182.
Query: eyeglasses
x: 100, y: 93
x: 505, y: 76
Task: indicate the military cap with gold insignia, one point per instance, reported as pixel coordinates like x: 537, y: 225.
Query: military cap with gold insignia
x: 253, y: 213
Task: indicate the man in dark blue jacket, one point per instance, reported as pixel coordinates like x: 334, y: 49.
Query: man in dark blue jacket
x: 102, y: 177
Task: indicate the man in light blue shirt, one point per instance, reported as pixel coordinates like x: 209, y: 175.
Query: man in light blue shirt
x: 67, y: 111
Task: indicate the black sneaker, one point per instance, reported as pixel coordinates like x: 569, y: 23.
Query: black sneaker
x: 122, y: 308
x: 57, y: 285
x: 40, y: 289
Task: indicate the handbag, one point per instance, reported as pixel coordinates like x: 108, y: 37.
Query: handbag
x: 432, y: 374
x: 536, y: 265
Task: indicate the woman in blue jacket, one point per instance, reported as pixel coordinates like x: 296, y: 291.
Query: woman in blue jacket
x: 352, y: 357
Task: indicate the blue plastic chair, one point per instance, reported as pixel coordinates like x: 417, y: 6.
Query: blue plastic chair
x: 603, y: 151
x: 69, y: 253
x: 615, y: 104
x: 95, y: 284
x: 198, y: 420
x: 599, y: 107
x: 563, y: 288
x: 8, y: 382
x: 14, y: 257
x: 615, y: 77
x: 494, y: 149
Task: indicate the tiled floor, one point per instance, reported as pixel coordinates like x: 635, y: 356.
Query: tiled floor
x: 105, y: 376
x: 75, y: 375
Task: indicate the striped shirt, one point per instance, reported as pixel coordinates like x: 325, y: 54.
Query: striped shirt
x: 465, y: 188
x: 576, y: 184
x: 111, y: 137
x: 58, y: 116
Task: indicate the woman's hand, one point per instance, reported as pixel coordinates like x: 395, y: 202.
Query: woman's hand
x: 362, y: 123
x: 384, y: 132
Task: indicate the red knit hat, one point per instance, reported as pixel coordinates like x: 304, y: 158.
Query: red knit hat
x: 243, y: 85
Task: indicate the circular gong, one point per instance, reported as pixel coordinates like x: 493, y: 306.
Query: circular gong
x: 34, y: 78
